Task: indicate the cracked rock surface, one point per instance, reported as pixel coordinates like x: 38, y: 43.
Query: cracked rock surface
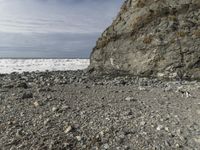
x: 159, y: 38
x: 73, y: 110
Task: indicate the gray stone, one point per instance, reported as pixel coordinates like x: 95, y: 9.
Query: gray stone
x: 130, y: 99
x: 151, y: 38
x: 159, y: 127
x: 68, y: 129
x: 22, y: 85
x: 27, y: 95
x: 106, y: 146
x: 8, y: 86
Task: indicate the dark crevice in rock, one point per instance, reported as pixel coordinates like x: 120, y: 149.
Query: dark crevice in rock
x: 196, y: 64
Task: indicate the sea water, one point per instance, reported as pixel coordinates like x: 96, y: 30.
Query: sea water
x: 29, y: 65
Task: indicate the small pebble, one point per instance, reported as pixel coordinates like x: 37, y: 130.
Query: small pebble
x: 54, y: 109
x: 160, y: 127
x: 106, y: 146
x: 142, y: 123
x: 130, y: 99
x: 78, y: 138
x: 36, y: 104
x: 68, y: 129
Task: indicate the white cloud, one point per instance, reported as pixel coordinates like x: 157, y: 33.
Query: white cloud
x: 54, y: 16
x: 53, y: 27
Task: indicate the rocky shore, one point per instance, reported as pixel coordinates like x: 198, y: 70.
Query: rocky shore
x: 73, y: 110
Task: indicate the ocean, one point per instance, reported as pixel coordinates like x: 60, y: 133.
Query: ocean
x: 29, y: 65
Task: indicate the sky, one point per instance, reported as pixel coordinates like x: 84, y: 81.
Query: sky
x: 53, y: 28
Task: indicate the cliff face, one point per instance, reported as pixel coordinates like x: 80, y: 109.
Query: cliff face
x: 151, y: 38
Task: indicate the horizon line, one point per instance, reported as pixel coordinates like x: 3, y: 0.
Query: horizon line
x: 44, y: 58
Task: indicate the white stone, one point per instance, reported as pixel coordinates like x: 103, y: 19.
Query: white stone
x: 159, y: 127
x: 68, y: 129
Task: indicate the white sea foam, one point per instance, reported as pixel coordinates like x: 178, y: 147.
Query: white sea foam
x: 29, y: 65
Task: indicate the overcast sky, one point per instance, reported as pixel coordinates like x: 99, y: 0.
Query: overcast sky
x: 53, y: 28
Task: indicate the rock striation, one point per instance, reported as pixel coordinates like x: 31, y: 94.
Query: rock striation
x: 153, y: 38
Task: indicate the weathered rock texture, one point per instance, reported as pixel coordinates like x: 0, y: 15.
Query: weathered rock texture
x: 152, y: 38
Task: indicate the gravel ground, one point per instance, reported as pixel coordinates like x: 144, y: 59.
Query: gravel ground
x: 72, y: 110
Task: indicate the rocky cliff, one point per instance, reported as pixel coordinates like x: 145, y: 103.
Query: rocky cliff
x: 159, y: 38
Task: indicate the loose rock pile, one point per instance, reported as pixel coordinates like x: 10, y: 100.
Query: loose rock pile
x: 73, y: 110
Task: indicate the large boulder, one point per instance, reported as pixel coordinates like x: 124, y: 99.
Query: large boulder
x: 159, y: 38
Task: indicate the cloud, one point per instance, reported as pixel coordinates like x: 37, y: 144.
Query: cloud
x: 47, y: 45
x: 33, y: 27
x: 79, y: 16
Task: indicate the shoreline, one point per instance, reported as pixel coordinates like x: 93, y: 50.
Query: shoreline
x: 30, y: 65
x: 101, y: 76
